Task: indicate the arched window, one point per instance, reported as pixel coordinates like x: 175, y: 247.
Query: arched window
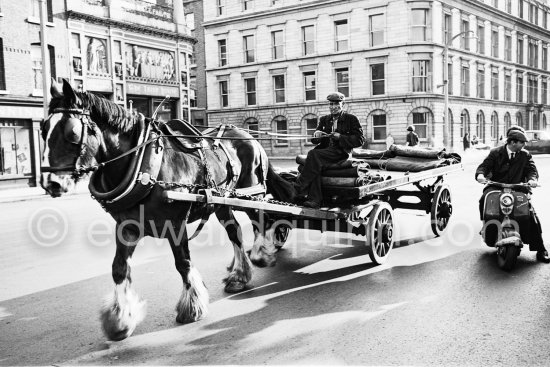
x: 544, y: 123
x: 379, y: 125
x: 480, y: 126
x: 252, y: 125
x: 519, y: 119
x: 464, y: 122
x: 422, y: 119
x: 507, y: 121
x: 536, y: 125
x: 281, y: 127
x: 494, y: 124
x: 310, y: 122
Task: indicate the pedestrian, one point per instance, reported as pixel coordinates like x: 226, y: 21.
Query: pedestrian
x: 412, y: 137
x: 474, y: 140
x: 466, y: 141
x: 389, y: 141
x: 336, y: 135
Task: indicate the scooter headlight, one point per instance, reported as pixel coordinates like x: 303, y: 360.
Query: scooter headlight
x: 507, y: 204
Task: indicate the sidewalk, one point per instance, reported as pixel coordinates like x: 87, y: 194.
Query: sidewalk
x: 28, y: 193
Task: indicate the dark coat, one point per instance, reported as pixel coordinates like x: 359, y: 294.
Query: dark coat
x: 498, y: 167
x: 349, y: 128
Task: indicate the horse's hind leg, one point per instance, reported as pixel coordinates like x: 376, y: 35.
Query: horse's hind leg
x: 240, y: 269
x: 123, y: 310
x: 193, y: 303
x: 264, y: 251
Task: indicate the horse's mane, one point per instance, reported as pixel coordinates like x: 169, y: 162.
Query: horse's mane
x: 103, y: 111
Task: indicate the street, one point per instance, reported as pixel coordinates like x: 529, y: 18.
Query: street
x: 437, y: 301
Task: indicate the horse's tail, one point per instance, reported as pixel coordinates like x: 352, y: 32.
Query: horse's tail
x: 281, y: 189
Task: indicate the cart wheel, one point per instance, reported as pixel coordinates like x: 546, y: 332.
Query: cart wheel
x: 380, y: 232
x: 442, y: 209
x: 281, y: 235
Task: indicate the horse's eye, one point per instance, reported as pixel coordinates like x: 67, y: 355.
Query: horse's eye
x: 73, y: 130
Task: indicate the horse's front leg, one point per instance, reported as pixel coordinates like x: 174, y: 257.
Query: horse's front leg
x: 123, y: 310
x: 240, y: 269
x: 193, y: 303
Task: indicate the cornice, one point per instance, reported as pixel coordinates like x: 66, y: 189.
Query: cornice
x: 71, y: 14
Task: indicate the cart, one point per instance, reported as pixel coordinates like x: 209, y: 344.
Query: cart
x: 369, y: 216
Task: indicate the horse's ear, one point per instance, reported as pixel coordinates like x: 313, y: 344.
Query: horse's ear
x: 54, y: 89
x: 69, y: 92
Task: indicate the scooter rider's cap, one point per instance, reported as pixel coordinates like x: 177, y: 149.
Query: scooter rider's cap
x: 517, y: 135
x: 336, y: 97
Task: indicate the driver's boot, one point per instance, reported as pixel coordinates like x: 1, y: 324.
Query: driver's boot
x: 542, y: 256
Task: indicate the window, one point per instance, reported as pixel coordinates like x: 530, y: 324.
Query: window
x: 220, y: 6
x: 36, y: 60
x: 544, y: 91
x: 224, y: 93
x: 495, y: 3
x: 248, y: 4
x: 251, y: 124
x: 16, y: 158
x: 222, y: 52
x: 248, y: 45
x: 377, y: 79
x: 508, y: 47
x: 480, y: 76
x: 509, y: 6
x: 277, y: 42
x: 494, y: 124
x: 532, y: 53
x: 377, y: 27
x: 342, y: 34
x: 544, y: 123
x: 535, y: 121
x: 494, y: 82
x: 250, y: 91
x: 35, y: 10
x: 308, y: 40
x: 507, y: 85
x: 519, y: 86
x: 481, y: 38
x: 544, y: 57
x: 533, y: 14
x: 281, y: 127
x: 420, y: 76
x: 279, y: 88
x: 532, y: 88
x: 520, y: 8
x: 2, y: 69
x: 545, y: 19
x: 342, y: 81
x: 310, y: 85
x: 465, y: 79
x: 464, y: 122
x: 480, y: 126
x: 507, y: 123
x: 379, y: 125
x: 465, y: 37
x: 494, y: 42
x: 419, y: 24
x: 520, y: 49
x: 420, y: 122
x: 519, y: 119
x: 447, y: 28
x: 311, y: 123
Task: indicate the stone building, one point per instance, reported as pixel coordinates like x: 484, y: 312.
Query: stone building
x: 272, y: 63
x: 134, y: 52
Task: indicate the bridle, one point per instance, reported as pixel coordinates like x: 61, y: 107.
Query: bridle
x: 88, y: 127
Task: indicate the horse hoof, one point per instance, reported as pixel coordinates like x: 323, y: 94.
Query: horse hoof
x: 234, y: 287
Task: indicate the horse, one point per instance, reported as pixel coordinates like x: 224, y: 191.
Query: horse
x: 86, y: 132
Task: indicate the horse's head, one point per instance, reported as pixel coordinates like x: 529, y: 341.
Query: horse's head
x: 71, y: 140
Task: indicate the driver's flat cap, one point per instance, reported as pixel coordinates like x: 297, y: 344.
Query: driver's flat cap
x: 336, y: 97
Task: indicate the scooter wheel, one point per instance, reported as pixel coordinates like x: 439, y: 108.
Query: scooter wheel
x: 507, y: 256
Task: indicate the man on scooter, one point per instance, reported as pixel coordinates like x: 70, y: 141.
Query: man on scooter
x: 512, y: 164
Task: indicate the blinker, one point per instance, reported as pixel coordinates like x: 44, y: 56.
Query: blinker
x: 73, y: 130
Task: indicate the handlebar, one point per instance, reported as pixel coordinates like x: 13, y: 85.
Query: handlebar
x: 509, y: 186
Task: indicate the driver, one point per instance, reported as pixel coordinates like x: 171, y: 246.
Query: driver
x: 512, y: 164
x: 336, y: 135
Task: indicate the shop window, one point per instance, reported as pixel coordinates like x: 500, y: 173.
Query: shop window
x: 15, y: 152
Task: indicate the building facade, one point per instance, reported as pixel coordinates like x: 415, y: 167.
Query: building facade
x: 272, y: 63
x: 133, y: 52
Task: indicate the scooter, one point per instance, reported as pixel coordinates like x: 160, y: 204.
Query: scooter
x: 505, y: 213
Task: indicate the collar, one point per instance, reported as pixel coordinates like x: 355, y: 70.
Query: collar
x: 509, y: 152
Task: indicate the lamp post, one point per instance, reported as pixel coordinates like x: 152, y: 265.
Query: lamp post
x: 446, y: 87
